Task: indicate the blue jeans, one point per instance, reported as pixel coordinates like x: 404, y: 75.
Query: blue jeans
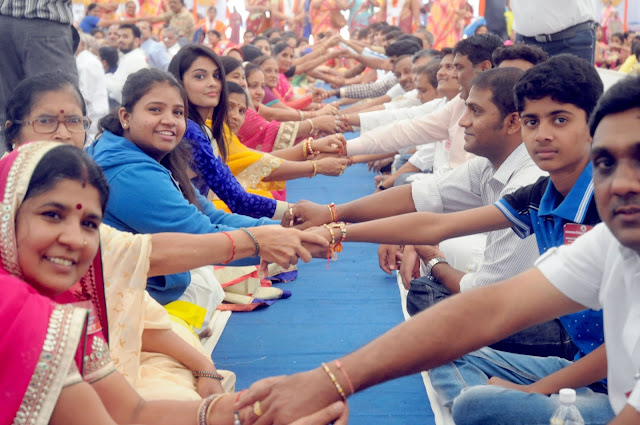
x: 582, y: 44
x: 461, y: 386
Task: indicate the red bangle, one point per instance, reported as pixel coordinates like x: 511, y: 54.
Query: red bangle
x: 233, y: 248
x: 338, y: 364
x: 334, y: 212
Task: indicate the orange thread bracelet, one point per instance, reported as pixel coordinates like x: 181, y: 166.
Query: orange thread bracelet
x: 233, y: 248
x: 338, y: 364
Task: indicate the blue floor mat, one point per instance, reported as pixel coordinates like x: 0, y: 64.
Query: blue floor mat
x: 331, y: 312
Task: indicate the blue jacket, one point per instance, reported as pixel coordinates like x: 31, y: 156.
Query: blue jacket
x: 145, y: 199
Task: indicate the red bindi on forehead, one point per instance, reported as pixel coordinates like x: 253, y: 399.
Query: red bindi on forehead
x: 79, y: 206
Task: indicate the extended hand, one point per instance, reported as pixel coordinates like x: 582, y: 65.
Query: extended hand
x: 305, y: 214
x: 284, y: 246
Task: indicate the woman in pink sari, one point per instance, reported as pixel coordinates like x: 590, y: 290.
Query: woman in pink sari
x: 268, y: 136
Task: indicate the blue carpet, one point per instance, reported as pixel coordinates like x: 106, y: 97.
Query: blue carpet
x: 331, y: 312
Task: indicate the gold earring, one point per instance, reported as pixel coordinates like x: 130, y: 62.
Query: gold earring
x: 85, y: 243
x: 125, y: 125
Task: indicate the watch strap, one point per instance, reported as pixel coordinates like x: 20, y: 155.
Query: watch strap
x: 431, y: 264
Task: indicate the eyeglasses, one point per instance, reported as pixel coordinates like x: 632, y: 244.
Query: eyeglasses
x: 48, y: 125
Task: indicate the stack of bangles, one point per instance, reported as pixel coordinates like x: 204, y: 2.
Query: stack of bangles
x: 206, y: 407
x: 307, y: 149
x: 333, y: 378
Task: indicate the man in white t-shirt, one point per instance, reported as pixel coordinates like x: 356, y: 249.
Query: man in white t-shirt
x: 557, y: 26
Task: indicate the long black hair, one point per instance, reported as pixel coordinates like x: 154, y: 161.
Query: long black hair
x: 180, y: 63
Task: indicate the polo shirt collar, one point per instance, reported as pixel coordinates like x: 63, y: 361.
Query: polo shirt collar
x: 574, y: 207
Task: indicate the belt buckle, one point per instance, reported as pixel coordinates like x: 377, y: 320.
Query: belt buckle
x: 543, y: 38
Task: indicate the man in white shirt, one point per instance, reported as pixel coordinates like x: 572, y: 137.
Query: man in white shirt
x: 557, y: 26
x: 472, y: 56
x: 92, y: 84
x: 133, y: 59
x: 599, y: 270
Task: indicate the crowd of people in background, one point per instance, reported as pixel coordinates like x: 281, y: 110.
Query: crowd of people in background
x: 147, y: 143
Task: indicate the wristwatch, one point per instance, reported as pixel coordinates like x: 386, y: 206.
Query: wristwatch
x: 431, y: 263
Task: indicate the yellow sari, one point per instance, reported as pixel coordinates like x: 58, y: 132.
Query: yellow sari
x: 250, y: 167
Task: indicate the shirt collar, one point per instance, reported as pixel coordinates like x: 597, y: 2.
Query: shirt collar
x: 514, y: 162
x: 574, y: 207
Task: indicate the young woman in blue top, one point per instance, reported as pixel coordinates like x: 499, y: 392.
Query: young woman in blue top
x: 145, y: 163
x: 202, y: 74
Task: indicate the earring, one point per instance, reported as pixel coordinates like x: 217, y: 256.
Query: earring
x: 85, y: 243
x: 125, y: 125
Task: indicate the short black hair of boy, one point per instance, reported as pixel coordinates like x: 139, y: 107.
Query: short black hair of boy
x: 135, y: 30
x: 565, y: 78
x: 622, y: 96
x: 478, y: 48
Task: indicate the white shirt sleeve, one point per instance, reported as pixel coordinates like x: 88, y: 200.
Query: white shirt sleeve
x: 395, y: 91
x: 375, y: 119
x: 423, y: 158
x: 429, y: 128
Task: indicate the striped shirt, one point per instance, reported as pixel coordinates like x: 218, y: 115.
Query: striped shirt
x: 51, y: 10
x: 364, y: 91
x: 476, y: 184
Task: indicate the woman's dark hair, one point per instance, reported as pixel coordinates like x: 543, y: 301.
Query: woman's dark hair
x: 235, y: 88
x: 67, y: 162
x: 618, y: 35
x: 137, y: 85
x: 275, y: 50
x: 249, y: 69
x: 258, y: 38
x: 27, y: 93
x: 622, y: 96
x: 250, y: 52
x: 565, y: 79
x: 180, y: 63
x: 230, y: 64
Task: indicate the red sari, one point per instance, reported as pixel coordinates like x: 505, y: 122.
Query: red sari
x: 47, y: 345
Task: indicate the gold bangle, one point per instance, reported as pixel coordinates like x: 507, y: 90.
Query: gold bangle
x: 313, y: 129
x: 305, y: 153
x: 315, y: 169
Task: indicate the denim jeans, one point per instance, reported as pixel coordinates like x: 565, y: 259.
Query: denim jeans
x: 461, y: 386
x: 582, y: 44
x: 544, y: 339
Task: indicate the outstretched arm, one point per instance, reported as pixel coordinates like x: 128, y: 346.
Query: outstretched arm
x: 425, y: 228
x: 477, y: 318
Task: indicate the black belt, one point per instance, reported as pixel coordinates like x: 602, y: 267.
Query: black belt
x: 561, y: 35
